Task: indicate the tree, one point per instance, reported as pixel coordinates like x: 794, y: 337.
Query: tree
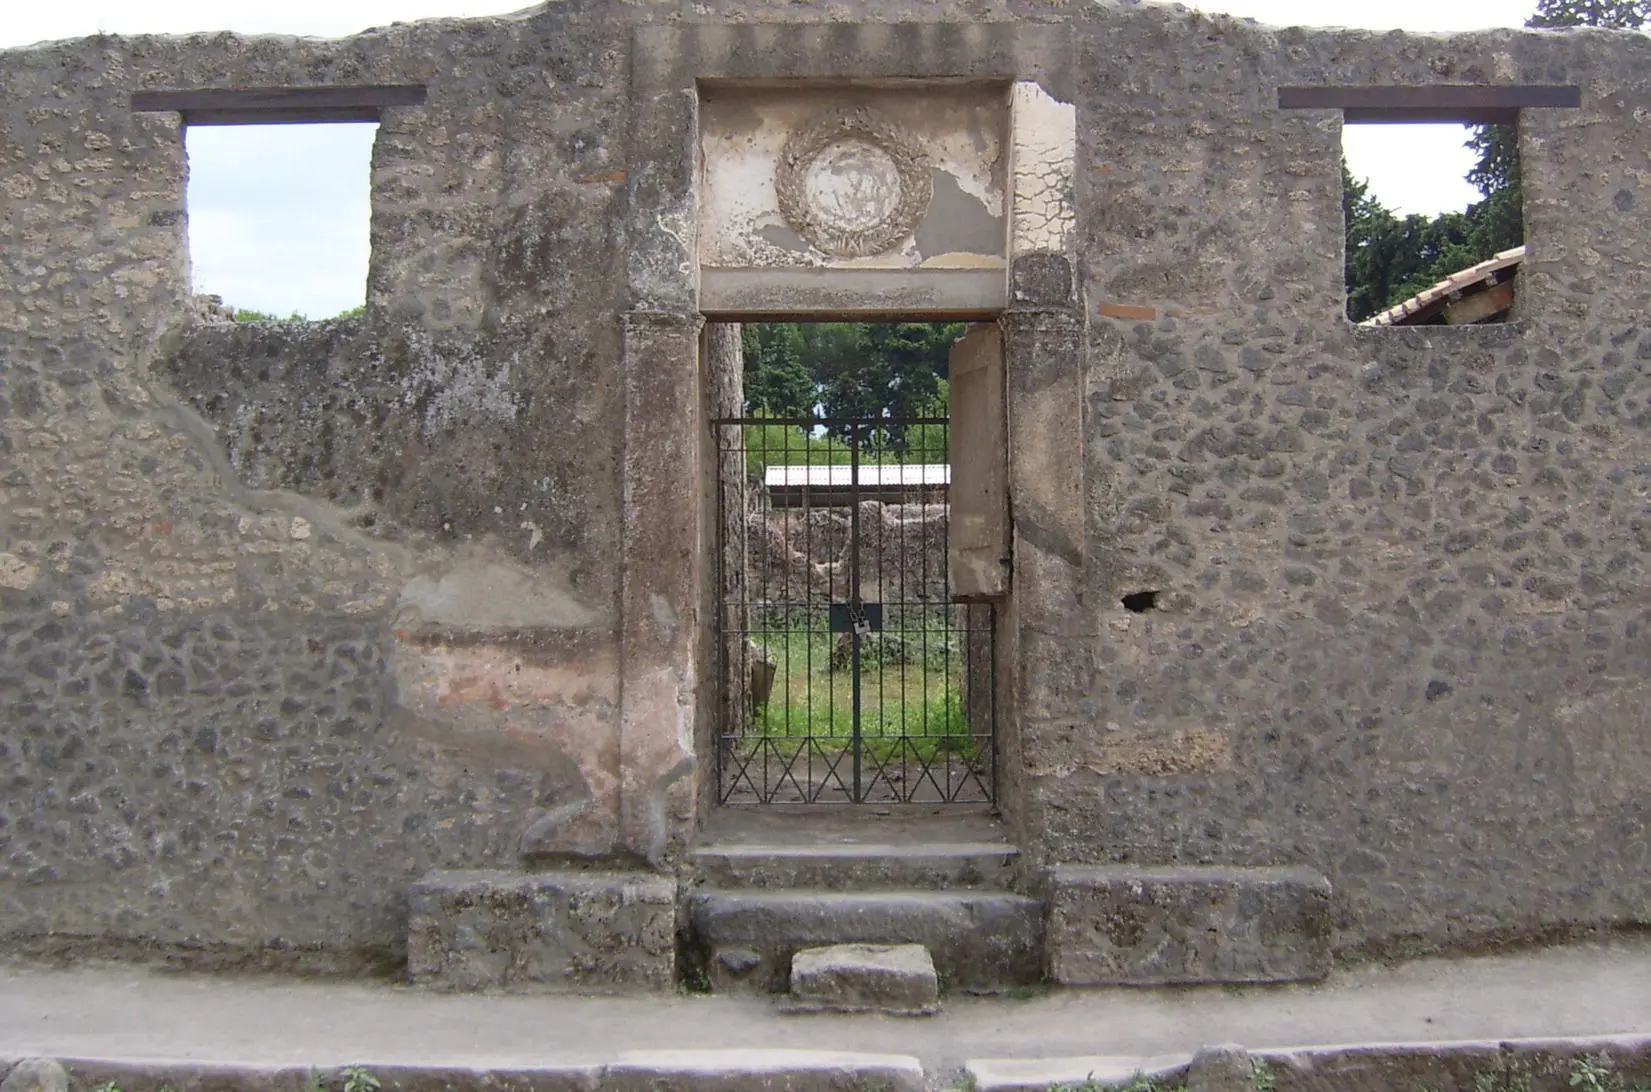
x: 894, y: 374
x: 777, y: 379
x: 1613, y: 14
x: 879, y: 372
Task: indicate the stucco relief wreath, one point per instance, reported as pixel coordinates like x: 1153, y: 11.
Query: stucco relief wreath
x: 853, y: 182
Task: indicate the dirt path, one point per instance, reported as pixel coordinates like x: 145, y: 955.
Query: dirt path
x: 126, y: 1013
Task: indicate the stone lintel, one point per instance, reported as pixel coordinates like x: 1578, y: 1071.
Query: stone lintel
x: 779, y: 294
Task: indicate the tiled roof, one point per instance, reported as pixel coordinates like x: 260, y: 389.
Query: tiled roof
x: 1437, y: 301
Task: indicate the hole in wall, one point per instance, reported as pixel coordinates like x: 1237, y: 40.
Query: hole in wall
x: 1140, y: 602
x: 1424, y: 204
x: 279, y: 217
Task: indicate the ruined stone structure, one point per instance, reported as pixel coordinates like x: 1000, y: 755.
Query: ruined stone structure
x: 299, y: 620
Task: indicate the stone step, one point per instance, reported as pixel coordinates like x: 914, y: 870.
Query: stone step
x: 943, y: 866
x: 893, y: 979
x: 980, y: 941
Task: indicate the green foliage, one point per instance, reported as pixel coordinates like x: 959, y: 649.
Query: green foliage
x: 1593, y: 1073
x: 1265, y: 1079
x: 1616, y: 14
x: 358, y: 1079
x: 777, y: 444
x: 247, y: 315
x: 264, y: 316
x: 894, y: 372
x: 777, y: 380
x: 850, y: 370
x: 910, y: 677
x: 1507, y: 1075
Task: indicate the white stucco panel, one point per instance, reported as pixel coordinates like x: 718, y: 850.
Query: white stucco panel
x: 957, y: 133
x: 1045, y: 152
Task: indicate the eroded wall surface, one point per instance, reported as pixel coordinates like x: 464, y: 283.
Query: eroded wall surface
x: 1401, y: 574
x: 295, y: 613
x: 292, y: 615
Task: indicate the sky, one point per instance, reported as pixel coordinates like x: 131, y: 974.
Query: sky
x: 278, y: 214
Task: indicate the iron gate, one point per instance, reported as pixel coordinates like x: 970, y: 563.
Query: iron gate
x: 848, y: 675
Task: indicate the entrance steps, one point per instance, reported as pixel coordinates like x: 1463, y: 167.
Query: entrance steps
x: 765, y: 888
x: 948, y: 866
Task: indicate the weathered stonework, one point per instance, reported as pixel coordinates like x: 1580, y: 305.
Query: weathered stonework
x: 292, y: 615
x: 1124, y: 926
x: 592, y: 932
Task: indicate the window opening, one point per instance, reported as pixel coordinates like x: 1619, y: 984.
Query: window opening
x: 279, y: 217
x: 1434, y: 221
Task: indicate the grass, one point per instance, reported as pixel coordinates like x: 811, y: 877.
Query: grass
x: 911, y: 700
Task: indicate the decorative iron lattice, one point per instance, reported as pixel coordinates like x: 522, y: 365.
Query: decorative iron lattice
x: 848, y: 675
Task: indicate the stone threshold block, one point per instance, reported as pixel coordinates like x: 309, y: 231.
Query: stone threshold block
x: 1127, y: 925
x: 896, y: 979
x: 564, y: 931
x: 979, y: 940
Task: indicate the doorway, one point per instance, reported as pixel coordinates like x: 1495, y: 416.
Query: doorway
x: 849, y: 672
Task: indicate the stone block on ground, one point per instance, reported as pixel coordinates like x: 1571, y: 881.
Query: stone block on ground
x: 1135, y: 926
x: 979, y: 940
x: 898, y: 979
x: 579, y: 932
x: 36, y: 1075
x: 1226, y: 1068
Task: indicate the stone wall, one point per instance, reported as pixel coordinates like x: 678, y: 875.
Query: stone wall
x: 1401, y: 572
x: 292, y: 615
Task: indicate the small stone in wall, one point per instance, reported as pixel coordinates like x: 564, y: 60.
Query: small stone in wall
x: 16, y: 573
x: 300, y: 528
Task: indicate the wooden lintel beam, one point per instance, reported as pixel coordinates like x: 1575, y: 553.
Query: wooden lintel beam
x: 1479, y: 306
x: 1466, y: 103
x: 271, y: 105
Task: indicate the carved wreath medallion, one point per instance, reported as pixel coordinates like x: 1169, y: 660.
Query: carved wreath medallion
x: 853, y: 182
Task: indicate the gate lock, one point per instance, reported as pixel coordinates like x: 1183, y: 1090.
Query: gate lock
x: 861, y: 619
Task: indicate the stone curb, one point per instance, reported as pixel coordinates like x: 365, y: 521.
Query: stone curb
x: 1039, y: 1074
x: 637, y: 1071
x: 1344, y: 1068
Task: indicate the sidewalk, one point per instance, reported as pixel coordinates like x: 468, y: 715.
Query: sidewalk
x: 120, y: 1013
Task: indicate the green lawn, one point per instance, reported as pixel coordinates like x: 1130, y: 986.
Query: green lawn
x: 911, y: 700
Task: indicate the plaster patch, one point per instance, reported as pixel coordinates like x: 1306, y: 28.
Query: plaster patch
x: 491, y: 592
x: 1610, y: 741
x: 1188, y: 751
x: 457, y: 389
x: 959, y: 223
